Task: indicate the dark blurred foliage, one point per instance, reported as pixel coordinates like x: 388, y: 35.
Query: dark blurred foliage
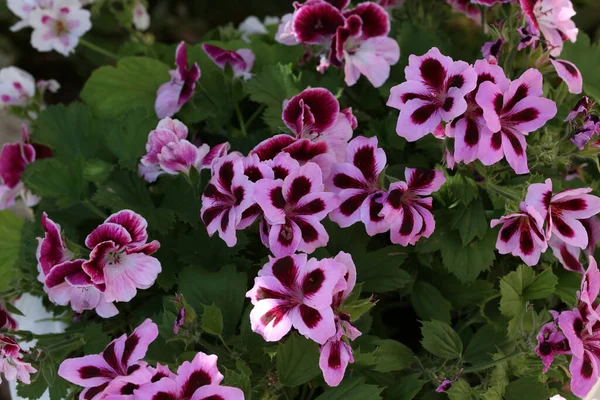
x: 171, y: 22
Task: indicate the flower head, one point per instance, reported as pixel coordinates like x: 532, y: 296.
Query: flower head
x: 553, y: 19
x: 241, y: 61
x: 23, y: 10
x: 140, y: 17
x: 7, y: 322
x: 17, y: 87
x: 316, y: 21
x: 551, y: 342
x: 171, y: 96
x: 11, y: 363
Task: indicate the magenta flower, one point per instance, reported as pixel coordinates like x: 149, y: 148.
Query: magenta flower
x: 17, y: 87
x: 293, y: 291
x: 226, y: 197
x: 511, y: 113
x: 241, y: 61
x: 583, y: 135
x: 553, y: 19
x: 529, y: 38
x: 447, y: 383
x: 196, y: 380
x: 522, y: 234
x: 294, y: 208
x: 357, y: 183
x: 582, y: 108
x: 551, y: 342
x: 321, y: 130
x: 564, y: 211
x: 491, y: 50
x: 569, y: 256
x: 119, y: 365
x: 64, y: 279
x: 316, y: 21
x: 59, y: 27
x: 363, y: 46
x: 468, y: 8
x: 408, y: 213
x: 120, y: 261
x: 568, y: 72
x: 255, y: 170
x: 469, y: 130
x: 171, y: 96
x: 11, y: 363
x: 7, y: 322
x: 434, y: 91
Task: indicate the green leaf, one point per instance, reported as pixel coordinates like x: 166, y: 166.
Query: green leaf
x: 467, y: 262
x: 587, y: 58
x: 542, y: 287
x: 95, y: 339
x: 462, y: 295
x: 380, y: 270
x: 429, y: 303
x: 357, y: 308
x: 239, y: 380
x: 113, y: 91
x: 226, y: 289
x: 180, y: 198
x: 526, y: 388
x: 463, y: 188
x: 271, y: 87
x: 484, y: 344
x: 34, y: 390
x: 297, y: 361
x: 460, y: 390
x: 441, y: 340
x: 59, y: 389
x: 212, y: 320
x: 568, y: 285
x: 406, y: 388
x: 50, y: 178
x: 48, y: 371
x: 11, y: 308
x: 392, y: 356
x: 470, y: 221
x: 11, y: 227
x: 352, y: 389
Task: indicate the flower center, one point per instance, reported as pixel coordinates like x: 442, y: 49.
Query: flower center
x: 61, y: 28
x: 114, y: 258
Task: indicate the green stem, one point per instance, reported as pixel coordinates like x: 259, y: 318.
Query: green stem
x: 240, y: 118
x: 207, y: 95
x: 478, y: 368
x: 225, y: 344
x: 483, y: 18
x: 258, y: 111
x: 94, y: 209
x: 98, y: 49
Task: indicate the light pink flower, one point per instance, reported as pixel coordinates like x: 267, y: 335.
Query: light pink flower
x: 434, y: 91
x: 17, y: 87
x: 171, y: 96
x: 11, y: 363
x: 511, y: 113
x: 522, y: 235
x: 408, y: 213
x: 60, y: 27
x: 196, y: 380
x: 285, y: 32
x: 23, y: 10
x: 294, y: 291
x: 140, y: 17
x: 241, y: 61
x: 553, y: 19
x: 120, y: 261
x: 568, y: 72
x: 118, y: 366
x: 529, y: 38
x: 568, y: 255
x: 582, y: 109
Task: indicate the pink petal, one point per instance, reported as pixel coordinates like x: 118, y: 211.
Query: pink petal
x: 307, y: 179
x: 317, y: 280
x: 539, y: 196
x: 108, y: 231
x: 133, y: 271
x: 316, y: 105
x: 270, y: 319
x: 514, y: 146
x: 424, y: 181
x: 316, y: 22
x: 333, y: 361
x: 268, y: 149
x: 216, y: 392
x: 584, y: 374
x: 317, y: 325
x: 312, y: 232
x: 134, y: 223
x: 284, y: 239
x: 268, y: 194
x: 201, y: 371
x: 531, y: 113
x: 375, y: 20
x: 370, y: 213
x: 430, y: 68
x: 569, y: 73
x: 59, y: 272
x: 490, y: 98
x: 364, y: 154
x: 87, y: 371
x: 167, y: 99
x: 417, y: 119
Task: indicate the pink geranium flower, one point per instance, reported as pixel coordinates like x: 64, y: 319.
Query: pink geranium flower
x: 59, y: 27
x: 11, y: 363
x: 196, y: 380
x: 118, y: 366
x: 241, y: 61
x: 553, y: 19
x: 434, y: 91
x: 408, y: 213
x: 522, y: 235
x: 294, y: 208
x: 489, y: 3
x: 120, y: 261
x: 568, y: 72
x: 293, y: 291
x: 511, y: 113
x: 583, y: 135
x: 23, y: 10
x: 357, y: 183
x: 17, y: 87
x: 491, y: 50
x: 7, y: 322
x: 14, y: 157
x: 468, y: 8
x: 171, y: 96
x: 316, y: 21
x: 551, y: 342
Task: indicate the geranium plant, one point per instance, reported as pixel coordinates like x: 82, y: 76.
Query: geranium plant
x: 355, y: 200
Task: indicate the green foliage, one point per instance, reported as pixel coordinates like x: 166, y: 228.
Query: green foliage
x: 441, y: 340
x: 467, y: 262
x: 429, y: 303
x: 212, y: 320
x: 392, y: 356
x: 586, y: 56
x: 10, y: 245
x: 352, y: 389
x: 297, y: 360
x: 526, y: 388
x: 380, y: 271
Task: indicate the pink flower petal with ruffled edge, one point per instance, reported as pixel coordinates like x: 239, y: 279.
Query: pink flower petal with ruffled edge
x: 316, y: 21
x: 568, y: 72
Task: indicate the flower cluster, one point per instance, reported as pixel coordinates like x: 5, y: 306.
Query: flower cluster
x: 575, y: 333
x: 57, y: 24
x: 565, y: 221
x: 11, y: 361
x: 19, y: 89
x: 488, y: 115
x: 119, y: 263
x: 355, y: 39
x: 168, y: 152
x: 14, y: 157
x: 119, y: 373
x: 587, y: 124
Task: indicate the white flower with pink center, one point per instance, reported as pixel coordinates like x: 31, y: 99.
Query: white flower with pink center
x: 17, y: 87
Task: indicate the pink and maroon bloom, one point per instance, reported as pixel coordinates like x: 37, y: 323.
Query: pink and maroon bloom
x: 196, y: 380
x: 171, y: 96
x: 553, y: 19
x: 510, y: 114
x: 529, y: 38
x: 241, y: 61
x: 121, y: 259
x: 447, y: 383
x: 295, y: 291
x: 226, y: 197
x: 468, y: 8
x: 522, y: 234
x: 586, y: 132
x: 316, y: 21
x: 294, y: 208
x: 582, y: 108
x: 407, y: 210
x: 11, y: 363
x: 285, y: 32
x: 117, y: 367
x: 7, y: 322
x: 551, y: 342
x: 434, y: 91
x: 491, y: 50
x: 64, y: 279
x: 568, y: 72
x: 356, y: 182
x: 469, y: 130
